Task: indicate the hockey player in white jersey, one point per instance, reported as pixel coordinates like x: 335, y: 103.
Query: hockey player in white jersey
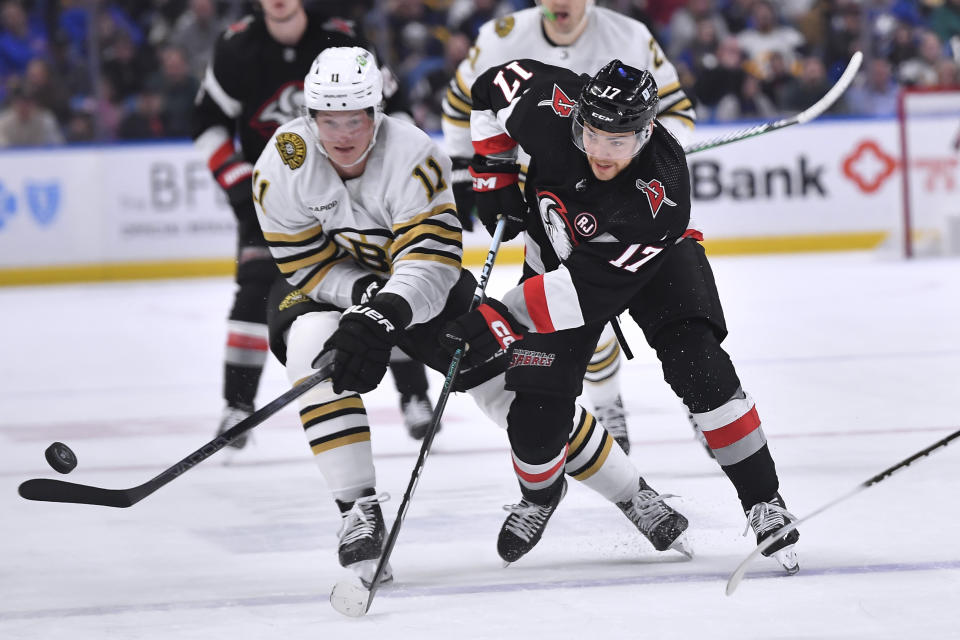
x: 358, y: 213
x: 578, y: 36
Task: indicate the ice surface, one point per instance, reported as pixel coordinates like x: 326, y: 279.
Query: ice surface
x: 853, y: 361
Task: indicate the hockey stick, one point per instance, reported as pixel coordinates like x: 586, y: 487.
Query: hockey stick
x: 348, y: 597
x: 48, y: 490
x: 734, y: 581
x: 622, y: 339
x: 807, y: 115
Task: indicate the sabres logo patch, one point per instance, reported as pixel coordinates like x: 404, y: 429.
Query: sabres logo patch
x: 656, y: 195
x: 560, y: 102
x: 292, y: 148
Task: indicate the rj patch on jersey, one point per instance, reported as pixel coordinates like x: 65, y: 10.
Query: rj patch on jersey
x: 292, y: 148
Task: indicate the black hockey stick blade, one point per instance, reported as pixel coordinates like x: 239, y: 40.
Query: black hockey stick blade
x: 48, y: 490
x: 737, y: 576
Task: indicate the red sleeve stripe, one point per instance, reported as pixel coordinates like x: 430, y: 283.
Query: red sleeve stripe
x: 496, y: 144
x: 220, y: 156
x: 735, y: 431
x: 536, y: 299
x: 693, y: 233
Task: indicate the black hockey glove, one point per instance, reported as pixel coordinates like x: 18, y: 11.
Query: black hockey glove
x: 484, y: 331
x: 365, y: 288
x: 234, y: 177
x: 463, y: 195
x: 498, y: 194
x: 363, y: 341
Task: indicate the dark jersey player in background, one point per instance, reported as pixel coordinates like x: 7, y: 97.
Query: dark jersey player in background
x: 609, y: 207
x: 253, y: 85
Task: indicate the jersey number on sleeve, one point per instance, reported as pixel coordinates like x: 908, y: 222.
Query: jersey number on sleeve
x: 260, y: 188
x: 432, y: 186
x: 510, y: 90
x: 648, y: 252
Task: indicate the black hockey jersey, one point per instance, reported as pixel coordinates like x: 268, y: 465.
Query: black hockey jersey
x: 593, y: 243
x: 254, y: 84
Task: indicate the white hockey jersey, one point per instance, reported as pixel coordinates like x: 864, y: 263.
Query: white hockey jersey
x: 397, y: 219
x: 608, y: 35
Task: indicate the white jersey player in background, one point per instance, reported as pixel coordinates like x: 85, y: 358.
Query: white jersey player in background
x: 357, y: 211
x: 581, y: 37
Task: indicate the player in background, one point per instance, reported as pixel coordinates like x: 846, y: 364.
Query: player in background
x: 254, y: 84
x: 347, y: 196
x: 578, y: 36
x: 608, y: 230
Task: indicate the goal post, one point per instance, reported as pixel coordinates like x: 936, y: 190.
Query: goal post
x: 929, y: 139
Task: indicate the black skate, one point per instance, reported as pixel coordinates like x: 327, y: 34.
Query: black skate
x: 232, y: 415
x: 417, y: 413
x: 766, y: 518
x: 362, y: 535
x: 613, y: 417
x: 524, y: 526
x: 657, y: 520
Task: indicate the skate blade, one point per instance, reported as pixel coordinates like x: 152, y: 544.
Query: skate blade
x: 682, y: 545
x: 788, y: 559
x: 365, y: 570
x: 349, y: 598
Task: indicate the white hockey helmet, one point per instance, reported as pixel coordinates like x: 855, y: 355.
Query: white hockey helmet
x: 343, y: 79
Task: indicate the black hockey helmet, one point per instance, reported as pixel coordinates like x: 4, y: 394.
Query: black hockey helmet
x: 619, y: 98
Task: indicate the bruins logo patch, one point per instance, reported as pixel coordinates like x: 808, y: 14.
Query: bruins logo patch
x: 503, y: 26
x: 292, y: 148
x: 294, y: 297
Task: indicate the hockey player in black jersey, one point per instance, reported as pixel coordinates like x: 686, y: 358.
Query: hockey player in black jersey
x: 253, y: 85
x: 607, y: 230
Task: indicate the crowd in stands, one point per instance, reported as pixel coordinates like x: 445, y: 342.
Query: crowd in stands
x: 109, y: 70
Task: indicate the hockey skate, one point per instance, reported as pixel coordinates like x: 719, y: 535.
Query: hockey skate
x: 524, y: 526
x: 766, y: 518
x: 232, y: 415
x: 656, y: 520
x: 362, y: 536
x: 613, y: 417
x: 417, y: 413
x: 698, y: 434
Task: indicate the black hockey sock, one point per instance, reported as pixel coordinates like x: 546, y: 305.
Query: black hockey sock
x: 240, y: 384
x: 410, y: 377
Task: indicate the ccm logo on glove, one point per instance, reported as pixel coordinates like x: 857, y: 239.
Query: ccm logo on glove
x: 499, y: 327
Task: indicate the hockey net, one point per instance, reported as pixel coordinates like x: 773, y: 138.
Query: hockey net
x: 929, y: 131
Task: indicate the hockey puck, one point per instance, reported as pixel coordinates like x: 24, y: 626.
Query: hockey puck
x: 61, y: 457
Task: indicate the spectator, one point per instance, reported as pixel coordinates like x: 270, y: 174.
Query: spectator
x: 749, y: 104
x: 145, y: 121
x: 466, y: 16
x: 723, y: 77
x: 49, y: 93
x: 21, y: 39
x: 844, y: 35
x: 178, y: 89
x: 921, y: 70
x: 777, y: 80
x: 430, y: 85
x: 126, y: 65
x: 736, y: 13
x: 195, y: 31
x: 765, y: 37
x: 902, y: 45
x: 945, y: 20
x: 700, y: 53
x: 948, y: 74
x: 688, y: 24
x: 877, y: 94
x: 80, y: 127
x: 25, y: 123
x: 810, y: 86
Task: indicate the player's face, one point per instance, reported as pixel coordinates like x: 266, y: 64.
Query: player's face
x: 609, y: 153
x: 567, y: 13
x: 280, y: 10
x: 345, y: 135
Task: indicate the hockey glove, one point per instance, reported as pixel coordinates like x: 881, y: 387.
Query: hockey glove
x: 484, y: 331
x: 363, y: 342
x: 463, y: 195
x: 234, y: 177
x: 365, y: 287
x: 498, y: 194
